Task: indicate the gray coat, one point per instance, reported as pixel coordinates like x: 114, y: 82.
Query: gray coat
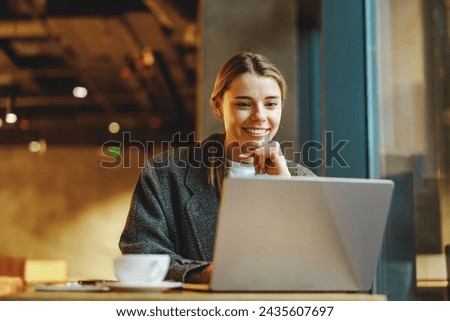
x: 174, y: 209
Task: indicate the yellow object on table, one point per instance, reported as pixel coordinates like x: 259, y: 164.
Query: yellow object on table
x: 34, y: 271
x: 11, y: 285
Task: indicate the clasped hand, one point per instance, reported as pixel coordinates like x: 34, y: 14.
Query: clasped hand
x: 267, y: 157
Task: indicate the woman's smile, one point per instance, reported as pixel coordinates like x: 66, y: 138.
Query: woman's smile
x: 257, y: 132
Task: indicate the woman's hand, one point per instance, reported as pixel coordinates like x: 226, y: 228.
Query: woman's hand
x: 205, y: 275
x: 267, y: 158
x: 270, y: 160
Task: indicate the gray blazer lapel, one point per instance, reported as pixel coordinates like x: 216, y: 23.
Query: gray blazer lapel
x: 202, y: 209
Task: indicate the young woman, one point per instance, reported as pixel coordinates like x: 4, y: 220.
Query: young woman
x: 176, y: 200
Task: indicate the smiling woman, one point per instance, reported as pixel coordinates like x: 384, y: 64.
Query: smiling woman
x: 248, y: 95
x: 176, y: 200
x: 251, y: 109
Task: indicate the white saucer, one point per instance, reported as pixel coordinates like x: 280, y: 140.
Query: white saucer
x: 143, y: 287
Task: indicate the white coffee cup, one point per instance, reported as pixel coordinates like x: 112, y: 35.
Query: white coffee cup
x: 141, y: 268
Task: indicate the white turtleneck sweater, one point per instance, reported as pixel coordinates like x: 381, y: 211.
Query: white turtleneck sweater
x: 236, y: 169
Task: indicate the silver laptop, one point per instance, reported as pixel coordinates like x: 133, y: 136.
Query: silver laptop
x: 301, y: 234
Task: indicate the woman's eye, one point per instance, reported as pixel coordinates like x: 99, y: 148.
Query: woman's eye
x: 271, y: 104
x: 243, y: 105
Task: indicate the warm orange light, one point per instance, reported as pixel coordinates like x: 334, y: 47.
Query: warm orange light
x: 24, y: 124
x: 147, y: 57
x: 155, y: 122
x: 125, y: 72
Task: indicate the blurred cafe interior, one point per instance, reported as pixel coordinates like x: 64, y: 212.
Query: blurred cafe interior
x: 89, y: 89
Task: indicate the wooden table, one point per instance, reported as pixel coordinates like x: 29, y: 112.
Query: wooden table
x: 431, y: 275
x: 187, y: 295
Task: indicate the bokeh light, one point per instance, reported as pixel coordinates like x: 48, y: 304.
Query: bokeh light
x: 11, y: 118
x: 114, y: 127
x: 80, y: 92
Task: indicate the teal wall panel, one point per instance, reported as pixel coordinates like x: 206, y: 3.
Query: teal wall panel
x: 344, y: 89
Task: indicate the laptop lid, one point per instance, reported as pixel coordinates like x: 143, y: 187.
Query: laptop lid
x: 299, y: 234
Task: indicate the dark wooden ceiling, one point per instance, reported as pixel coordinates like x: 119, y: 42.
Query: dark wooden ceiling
x: 137, y: 58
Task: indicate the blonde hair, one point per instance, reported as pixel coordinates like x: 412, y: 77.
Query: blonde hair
x: 241, y: 63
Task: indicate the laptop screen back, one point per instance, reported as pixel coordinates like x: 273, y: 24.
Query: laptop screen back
x: 299, y: 234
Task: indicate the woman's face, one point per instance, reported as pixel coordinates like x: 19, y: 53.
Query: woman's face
x: 251, y: 109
